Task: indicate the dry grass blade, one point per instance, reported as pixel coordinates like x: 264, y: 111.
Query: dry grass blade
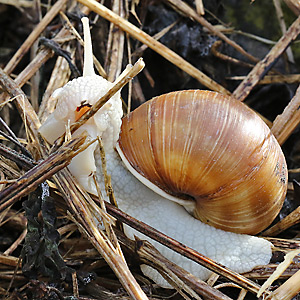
x: 107, y: 178
x: 292, y: 219
x: 33, y: 67
x: 215, y: 51
x: 81, y: 203
x: 115, y: 45
x: 286, y: 123
x: 109, y: 191
x: 17, y: 3
x: 16, y: 243
x: 294, y: 5
x: 279, y: 270
x: 179, y: 276
x: 199, y: 7
x: 191, y: 13
x: 8, y: 260
x: 139, y: 51
x: 287, y: 290
x: 22, y: 160
x: 125, y: 77
x: 269, y: 79
x: 282, y: 25
x: 154, y: 45
x: 261, y: 68
x: 38, y: 174
x: 183, y: 249
x: 72, y: 29
x: 24, y: 76
x: 34, y: 35
x: 26, y: 111
x: 59, y: 77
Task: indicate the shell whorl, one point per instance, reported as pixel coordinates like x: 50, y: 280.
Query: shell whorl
x: 212, y: 149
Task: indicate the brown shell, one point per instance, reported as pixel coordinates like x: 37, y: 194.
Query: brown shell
x: 208, y: 147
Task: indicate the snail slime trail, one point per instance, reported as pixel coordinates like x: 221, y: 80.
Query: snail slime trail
x: 219, y: 162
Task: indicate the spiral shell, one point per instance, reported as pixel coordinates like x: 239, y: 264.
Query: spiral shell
x: 210, y: 149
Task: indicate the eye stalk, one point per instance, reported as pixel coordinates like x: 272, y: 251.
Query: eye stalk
x: 88, y: 66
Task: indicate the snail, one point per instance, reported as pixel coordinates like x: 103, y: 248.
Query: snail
x: 224, y: 144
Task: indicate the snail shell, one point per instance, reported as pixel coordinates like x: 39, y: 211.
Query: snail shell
x: 211, y: 151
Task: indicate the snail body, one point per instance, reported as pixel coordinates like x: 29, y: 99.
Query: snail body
x: 239, y: 252
x: 140, y: 197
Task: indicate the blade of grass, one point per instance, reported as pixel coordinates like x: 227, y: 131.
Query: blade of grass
x: 154, y: 45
